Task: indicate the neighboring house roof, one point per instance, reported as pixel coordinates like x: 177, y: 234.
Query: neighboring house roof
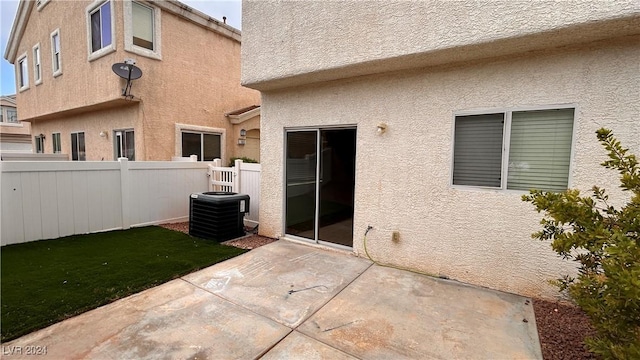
x: 172, y: 6
x: 244, y: 114
x: 8, y: 100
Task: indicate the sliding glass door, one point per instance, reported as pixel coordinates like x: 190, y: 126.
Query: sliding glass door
x: 320, y: 181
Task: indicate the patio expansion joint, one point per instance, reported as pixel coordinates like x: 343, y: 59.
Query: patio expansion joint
x: 311, y: 315
x: 291, y: 329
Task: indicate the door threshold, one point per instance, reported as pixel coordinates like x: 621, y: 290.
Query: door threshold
x: 323, y: 245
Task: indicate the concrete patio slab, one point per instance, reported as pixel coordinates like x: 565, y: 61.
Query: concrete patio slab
x: 173, y: 321
x: 287, y: 282
x: 393, y: 314
x: 299, y: 346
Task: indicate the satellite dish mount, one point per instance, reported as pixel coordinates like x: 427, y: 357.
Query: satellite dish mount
x: 127, y: 70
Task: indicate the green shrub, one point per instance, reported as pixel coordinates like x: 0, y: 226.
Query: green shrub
x: 232, y: 162
x: 605, y: 241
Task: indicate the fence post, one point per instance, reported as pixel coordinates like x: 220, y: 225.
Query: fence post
x: 125, y: 192
x: 210, y: 177
x: 216, y: 173
x: 236, y: 176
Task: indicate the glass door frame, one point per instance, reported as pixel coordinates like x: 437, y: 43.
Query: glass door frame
x: 318, y: 130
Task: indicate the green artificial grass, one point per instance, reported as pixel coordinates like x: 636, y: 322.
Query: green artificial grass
x: 44, y: 282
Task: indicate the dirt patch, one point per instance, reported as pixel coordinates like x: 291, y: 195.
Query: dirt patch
x: 251, y: 241
x: 562, y: 328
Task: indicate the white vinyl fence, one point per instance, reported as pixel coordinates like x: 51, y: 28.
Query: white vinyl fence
x: 44, y: 200
x: 243, y: 178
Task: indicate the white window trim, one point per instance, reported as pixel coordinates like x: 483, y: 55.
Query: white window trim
x: 506, y: 138
x: 128, y: 32
x: 109, y: 48
x: 57, y: 72
x: 37, y: 64
x: 41, y: 4
x: 71, y: 145
x: 25, y: 86
x: 202, y: 129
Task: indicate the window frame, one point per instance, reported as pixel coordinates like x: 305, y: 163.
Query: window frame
x: 156, y: 53
x: 121, y: 143
x: 56, y: 72
x: 37, y: 64
x: 8, y: 118
x: 39, y: 143
x: 180, y: 128
x: 56, y: 143
x: 83, y: 156
x: 506, y: 141
x: 23, y: 72
x: 104, y: 50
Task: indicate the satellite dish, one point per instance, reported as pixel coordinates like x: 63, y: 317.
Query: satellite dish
x: 129, y: 72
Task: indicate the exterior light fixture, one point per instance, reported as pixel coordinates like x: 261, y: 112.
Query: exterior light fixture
x: 103, y: 134
x: 381, y: 128
x: 243, y: 132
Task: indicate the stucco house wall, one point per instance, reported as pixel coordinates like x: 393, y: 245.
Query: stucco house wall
x: 194, y: 82
x: 403, y: 176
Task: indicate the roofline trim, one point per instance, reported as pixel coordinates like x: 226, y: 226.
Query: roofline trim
x: 17, y: 30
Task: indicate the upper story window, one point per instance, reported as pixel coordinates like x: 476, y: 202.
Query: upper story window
x: 517, y: 150
x: 23, y: 73
x: 142, y: 29
x: 100, y: 27
x: 37, y: 65
x: 56, y: 54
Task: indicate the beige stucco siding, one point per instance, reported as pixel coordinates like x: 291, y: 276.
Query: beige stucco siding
x: 82, y: 82
x: 288, y: 46
x: 92, y: 124
x: 196, y: 81
x: 403, y: 177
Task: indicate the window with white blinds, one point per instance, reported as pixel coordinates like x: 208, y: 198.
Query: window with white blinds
x: 478, y: 150
x: 538, y: 152
x: 142, y: 26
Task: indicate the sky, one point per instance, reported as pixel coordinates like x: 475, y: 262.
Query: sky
x: 232, y: 9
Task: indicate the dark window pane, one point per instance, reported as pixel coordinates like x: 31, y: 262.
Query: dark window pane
x: 191, y: 145
x: 81, y: 151
x: 74, y: 147
x: 211, y: 147
x: 95, y: 31
x: 129, y: 145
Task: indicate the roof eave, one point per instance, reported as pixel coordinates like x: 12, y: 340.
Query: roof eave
x: 240, y: 118
x: 17, y: 30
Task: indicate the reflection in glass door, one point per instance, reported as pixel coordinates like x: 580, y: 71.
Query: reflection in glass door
x: 320, y: 190
x: 301, y: 183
